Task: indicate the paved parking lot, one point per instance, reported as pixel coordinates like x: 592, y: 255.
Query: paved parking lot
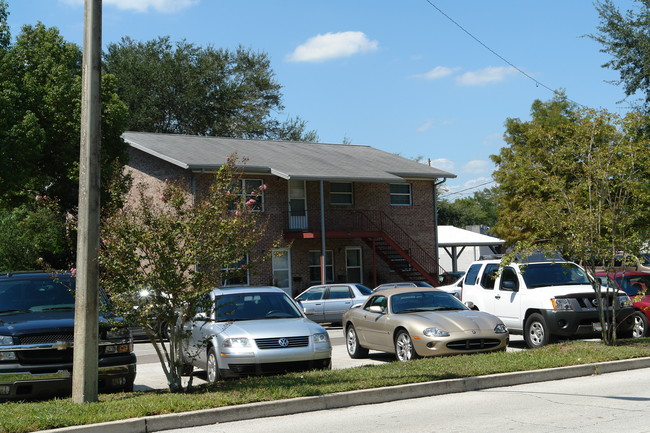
x: 150, y: 374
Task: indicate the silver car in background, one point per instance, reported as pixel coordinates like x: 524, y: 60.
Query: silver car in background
x: 327, y: 303
x: 252, y: 331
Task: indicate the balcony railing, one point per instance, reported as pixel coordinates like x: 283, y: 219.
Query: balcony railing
x: 366, y: 221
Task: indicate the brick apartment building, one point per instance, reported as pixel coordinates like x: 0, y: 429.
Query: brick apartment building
x: 376, y: 209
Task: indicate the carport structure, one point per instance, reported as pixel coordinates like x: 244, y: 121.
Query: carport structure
x: 455, y: 240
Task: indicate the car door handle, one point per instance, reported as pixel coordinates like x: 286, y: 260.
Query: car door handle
x: 497, y: 296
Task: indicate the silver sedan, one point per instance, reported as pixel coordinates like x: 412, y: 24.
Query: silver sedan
x: 327, y: 303
x: 254, y: 330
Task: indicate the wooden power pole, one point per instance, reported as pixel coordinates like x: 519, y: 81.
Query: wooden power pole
x: 86, y: 329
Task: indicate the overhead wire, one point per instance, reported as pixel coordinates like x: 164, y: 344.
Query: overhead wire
x: 521, y: 71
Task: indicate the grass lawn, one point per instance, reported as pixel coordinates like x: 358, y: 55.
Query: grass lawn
x: 19, y: 417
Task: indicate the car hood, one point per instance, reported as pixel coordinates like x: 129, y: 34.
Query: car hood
x: 269, y: 328
x: 565, y: 290
x: 46, y: 321
x: 456, y: 320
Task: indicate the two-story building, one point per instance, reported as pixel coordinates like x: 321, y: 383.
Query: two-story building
x: 348, y: 213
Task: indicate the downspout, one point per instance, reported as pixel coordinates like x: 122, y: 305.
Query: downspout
x: 435, y: 223
x: 323, y: 255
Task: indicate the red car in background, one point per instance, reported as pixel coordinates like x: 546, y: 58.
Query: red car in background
x: 636, y: 285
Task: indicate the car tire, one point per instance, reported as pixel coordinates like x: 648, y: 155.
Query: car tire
x: 352, y: 343
x: 212, y: 367
x: 536, y: 332
x: 640, y: 325
x: 404, y: 350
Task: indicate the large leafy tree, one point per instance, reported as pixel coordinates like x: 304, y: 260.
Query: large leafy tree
x: 626, y: 37
x: 575, y: 180
x: 187, y: 89
x: 40, y: 93
x: 160, y: 254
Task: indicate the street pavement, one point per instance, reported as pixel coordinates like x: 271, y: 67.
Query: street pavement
x: 150, y: 375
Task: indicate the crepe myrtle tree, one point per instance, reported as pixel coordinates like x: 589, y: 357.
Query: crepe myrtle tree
x: 575, y: 181
x: 158, y: 255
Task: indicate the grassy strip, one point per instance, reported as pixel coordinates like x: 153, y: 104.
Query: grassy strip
x: 32, y: 416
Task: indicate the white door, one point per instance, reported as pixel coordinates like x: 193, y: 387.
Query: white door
x: 281, y: 261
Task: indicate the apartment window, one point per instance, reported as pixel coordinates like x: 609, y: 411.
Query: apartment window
x: 400, y: 194
x: 252, y: 189
x: 314, y: 266
x: 236, y: 274
x: 341, y: 193
x: 353, y: 265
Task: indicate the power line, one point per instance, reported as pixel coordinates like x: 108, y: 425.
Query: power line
x: 467, y: 189
x: 536, y: 81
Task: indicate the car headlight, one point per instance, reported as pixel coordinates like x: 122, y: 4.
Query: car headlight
x: 435, y: 332
x: 500, y: 329
x: 624, y: 301
x: 561, y: 304
x: 236, y: 342
x: 6, y: 340
x: 320, y: 338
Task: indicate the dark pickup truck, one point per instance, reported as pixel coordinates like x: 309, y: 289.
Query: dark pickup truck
x: 36, y: 339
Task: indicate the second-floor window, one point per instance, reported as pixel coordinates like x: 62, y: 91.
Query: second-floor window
x: 251, y: 191
x: 400, y: 194
x: 341, y: 193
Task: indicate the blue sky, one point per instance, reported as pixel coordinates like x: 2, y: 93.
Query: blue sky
x: 395, y: 75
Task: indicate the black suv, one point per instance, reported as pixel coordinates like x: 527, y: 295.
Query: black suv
x: 36, y: 338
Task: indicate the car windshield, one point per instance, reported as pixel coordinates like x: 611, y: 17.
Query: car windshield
x: 553, y: 274
x: 431, y: 300
x: 19, y: 294
x: 363, y: 289
x: 254, y: 306
x: 634, y: 285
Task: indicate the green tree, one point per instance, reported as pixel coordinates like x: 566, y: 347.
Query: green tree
x: 575, y: 181
x: 33, y: 233
x: 159, y: 255
x: 625, y: 37
x: 187, y: 89
x: 40, y: 93
x: 479, y: 209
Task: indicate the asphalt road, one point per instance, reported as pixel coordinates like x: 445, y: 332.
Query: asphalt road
x: 150, y: 375
x: 607, y: 403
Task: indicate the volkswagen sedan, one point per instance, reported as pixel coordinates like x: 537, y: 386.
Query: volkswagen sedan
x: 412, y: 322
x: 252, y: 331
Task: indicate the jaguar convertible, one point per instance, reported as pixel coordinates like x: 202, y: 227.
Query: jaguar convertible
x: 414, y: 321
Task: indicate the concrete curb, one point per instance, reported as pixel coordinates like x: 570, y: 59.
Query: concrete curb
x: 352, y: 398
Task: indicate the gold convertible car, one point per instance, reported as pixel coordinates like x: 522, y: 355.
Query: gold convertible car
x: 415, y: 321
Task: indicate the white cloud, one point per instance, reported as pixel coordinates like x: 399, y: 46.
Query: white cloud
x: 491, y: 74
x: 443, y: 164
x: 332, y: 46
x: 477, y: 166
x: 164, y: 6
x: 437, y: 72
x: 425, y: 126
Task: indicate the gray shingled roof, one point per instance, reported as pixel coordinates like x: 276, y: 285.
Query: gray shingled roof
x: 286, y: 159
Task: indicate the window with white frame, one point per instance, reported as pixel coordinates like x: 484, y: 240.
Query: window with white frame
x: 341, y: 193
x: 353, y: 265
x: 236, y: 274
x: 400, y: 194
x: 252, y: 191
x: 314, y: 266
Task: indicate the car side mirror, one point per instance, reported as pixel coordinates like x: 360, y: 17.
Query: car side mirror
x: 470, y: 305
x: 509, y: 285
x: 376, y: 309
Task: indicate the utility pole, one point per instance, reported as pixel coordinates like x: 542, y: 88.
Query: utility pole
x: 86, y: 329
